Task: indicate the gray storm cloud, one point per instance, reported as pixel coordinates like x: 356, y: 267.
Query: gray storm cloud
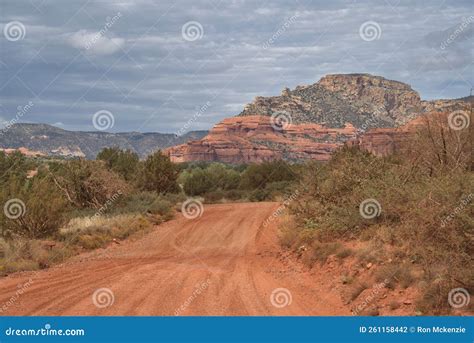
x: 75, y: 60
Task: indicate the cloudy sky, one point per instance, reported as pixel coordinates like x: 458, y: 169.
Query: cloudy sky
x: 164, y: 65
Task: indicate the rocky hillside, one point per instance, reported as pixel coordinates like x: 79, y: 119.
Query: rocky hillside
x: 317, y: 119
x: 51, y: 140
x: 360, y: 99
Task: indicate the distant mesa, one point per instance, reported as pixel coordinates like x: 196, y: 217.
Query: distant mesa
x: 357, y: 109
x: 54, y: 141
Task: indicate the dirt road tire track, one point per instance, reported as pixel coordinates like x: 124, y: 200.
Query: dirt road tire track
x: 223, y: 263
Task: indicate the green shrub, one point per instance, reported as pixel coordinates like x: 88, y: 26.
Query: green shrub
x: 39, y: 204
x: 257, y: 176
x: 88, y: 184
x: 198, y: 182
x: 158, y: 174
x: 123, y: 162
x: 162, y: 207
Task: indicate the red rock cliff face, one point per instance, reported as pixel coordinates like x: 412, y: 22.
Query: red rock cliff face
x: 254, y: 139
x: 363, y: 110
x: 385, y: 141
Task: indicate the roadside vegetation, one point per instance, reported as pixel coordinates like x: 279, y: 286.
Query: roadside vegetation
x: 57, y: 208
x: 418, y: 230
x: 404, y: 221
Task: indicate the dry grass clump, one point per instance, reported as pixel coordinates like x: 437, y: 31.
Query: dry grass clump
x: 80, y: 233
x: 394, y: 274
x: 319, y: 252
x: 357, y: 289
x: 97, y: 232
x: 25, y: 254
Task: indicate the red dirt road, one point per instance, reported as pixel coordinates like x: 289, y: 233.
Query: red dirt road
x: 227, y: 262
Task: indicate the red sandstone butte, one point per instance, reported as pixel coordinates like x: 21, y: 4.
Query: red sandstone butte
x: 253, y: 139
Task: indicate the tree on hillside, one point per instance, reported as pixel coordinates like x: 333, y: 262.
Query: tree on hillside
x: 87, y: 184
x: 123, y: 162
x: 14, y: 164
x: 157, y: 173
